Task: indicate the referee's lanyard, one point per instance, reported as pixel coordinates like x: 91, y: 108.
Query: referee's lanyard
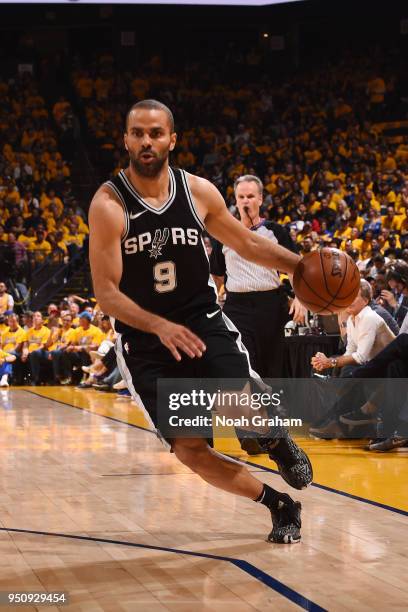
x: 255, y: 227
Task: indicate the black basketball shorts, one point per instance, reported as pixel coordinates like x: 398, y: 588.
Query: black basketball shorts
x: 142, y: 360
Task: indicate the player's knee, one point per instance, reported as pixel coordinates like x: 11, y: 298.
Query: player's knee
x: 191, y: 452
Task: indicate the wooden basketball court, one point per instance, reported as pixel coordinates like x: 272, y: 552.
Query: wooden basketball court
x: 93, y: 505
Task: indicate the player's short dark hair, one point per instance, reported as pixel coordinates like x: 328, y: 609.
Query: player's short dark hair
x: 152, y: 105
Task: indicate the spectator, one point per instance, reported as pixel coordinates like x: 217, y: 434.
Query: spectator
x: 12, y: 220
x: 390, y: 221
x: 367, y: 335
x: 386, y: 316
x: 28, y: 237
x: 87, y: 338
x: 74, y: 310
x: 6, y: 300
x: 376, y: 265
x: 53, y: 320
x: 391, y: 362
x: 18, y: 250
x: 34, y: 347
x: 396, y: 297
x: 373, y: 222
x: 27, y: 320
x: 6, y: 369
x: 58, y: 342
x: 40, y: 248
x: 11, y: 341
x: 14, y: 336
x: 34, y: 220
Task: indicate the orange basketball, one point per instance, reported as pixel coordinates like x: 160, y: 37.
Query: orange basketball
x: 326, y: 281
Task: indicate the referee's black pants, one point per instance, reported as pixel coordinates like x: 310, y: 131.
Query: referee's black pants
x: 260, y: 317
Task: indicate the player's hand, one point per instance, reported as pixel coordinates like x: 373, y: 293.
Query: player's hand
x: 298, y: 312
x: 176, y: 337
x: 389, y: 297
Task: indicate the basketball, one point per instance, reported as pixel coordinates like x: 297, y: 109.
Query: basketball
x: 326, y: 281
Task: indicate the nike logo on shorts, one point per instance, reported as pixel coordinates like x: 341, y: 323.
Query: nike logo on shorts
x: 135, y: 216
x: 212, y: 314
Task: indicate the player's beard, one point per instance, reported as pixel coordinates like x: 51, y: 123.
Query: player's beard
x: 151, y: 170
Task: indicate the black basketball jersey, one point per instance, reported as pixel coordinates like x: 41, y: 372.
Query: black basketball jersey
x: 165, y: 263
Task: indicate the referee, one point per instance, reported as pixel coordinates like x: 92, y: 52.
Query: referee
x: 256, y: 301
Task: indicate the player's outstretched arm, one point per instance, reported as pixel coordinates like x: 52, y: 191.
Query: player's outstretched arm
x: 106, y: 222
x: 224, y: 227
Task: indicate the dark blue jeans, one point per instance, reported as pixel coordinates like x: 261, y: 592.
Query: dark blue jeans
x: 390, y: 363
x: 6, y: 368
x: 61, y: 366
x: 35, y: 359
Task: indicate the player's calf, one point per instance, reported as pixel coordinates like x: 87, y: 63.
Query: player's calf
x: 229, y: 475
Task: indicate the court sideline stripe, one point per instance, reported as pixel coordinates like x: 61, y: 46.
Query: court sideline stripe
x: 251, y: 463
x: 104, y: 416
x: 245, y: 566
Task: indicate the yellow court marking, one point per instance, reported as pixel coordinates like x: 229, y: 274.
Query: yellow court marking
x: 347, y: 467
x: 341, y: 465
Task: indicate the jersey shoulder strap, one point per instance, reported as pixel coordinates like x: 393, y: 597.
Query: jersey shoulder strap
x: 184, y: 188
x: 116, y: 186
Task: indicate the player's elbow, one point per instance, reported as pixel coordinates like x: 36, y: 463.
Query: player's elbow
x: 105, y: 296
x: 104, y: 302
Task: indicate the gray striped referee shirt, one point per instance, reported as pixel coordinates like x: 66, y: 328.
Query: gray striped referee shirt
x: 243, y: 275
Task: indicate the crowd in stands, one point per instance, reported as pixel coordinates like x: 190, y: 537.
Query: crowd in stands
x: 331, y: 175
x: 40, y: 219
x: 72, y: 344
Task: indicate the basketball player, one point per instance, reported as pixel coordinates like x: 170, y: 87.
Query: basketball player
x: 151, y: 273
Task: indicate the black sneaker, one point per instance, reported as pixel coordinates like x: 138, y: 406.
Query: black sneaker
x: 84, y: 385
x: 251, y: 446
x: 293, y: 464
x: 286, y: 522
x: 373, y: 441
x: 358, y: 418
x: 101, y: 386
x: 388, y: 444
